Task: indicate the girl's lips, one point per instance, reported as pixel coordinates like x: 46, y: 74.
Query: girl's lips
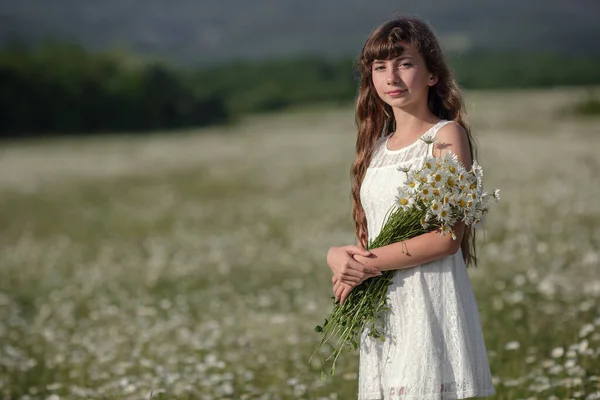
x: 395, y: 92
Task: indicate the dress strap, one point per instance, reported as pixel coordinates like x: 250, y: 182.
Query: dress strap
x: 434, y: 132
x: 438, y: 126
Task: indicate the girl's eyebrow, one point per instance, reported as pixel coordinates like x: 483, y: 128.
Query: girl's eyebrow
x: 395, y: 59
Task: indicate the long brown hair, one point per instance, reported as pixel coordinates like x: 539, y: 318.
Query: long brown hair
x: 375, y: 118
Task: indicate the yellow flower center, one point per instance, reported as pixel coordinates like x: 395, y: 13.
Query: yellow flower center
x: 461, y: 203
x: 450, y: 182
x: 469, y: 204
x: 428, y: 165
x: 436, y: 192
x: 438, y: 177
x: 423, y: 179
x: 425, y: 191
x: 435, y: 206
x: 452, y: 169
x: 403, y: 201
x: 444, y: 214
x: 411, y: 184
x: 473, y: 185
x: 474, y: 196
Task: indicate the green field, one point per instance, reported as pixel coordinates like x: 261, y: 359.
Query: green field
x: 192, y: 265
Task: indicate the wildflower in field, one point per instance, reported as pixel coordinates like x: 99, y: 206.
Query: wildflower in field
x: 586, y: 330
x: 514, y: 345
x: 583, y: 346
x: 557, y: 352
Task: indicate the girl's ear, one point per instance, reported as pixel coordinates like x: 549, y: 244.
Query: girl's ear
x: 433, y: 79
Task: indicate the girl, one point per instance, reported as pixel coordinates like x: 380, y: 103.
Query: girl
x: 434, y: 347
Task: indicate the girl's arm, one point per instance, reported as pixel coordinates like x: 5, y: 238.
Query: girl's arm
x: 428, y: 246
x: 413, y: 252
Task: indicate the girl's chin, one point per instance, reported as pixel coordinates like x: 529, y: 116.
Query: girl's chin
x: 398, y: 103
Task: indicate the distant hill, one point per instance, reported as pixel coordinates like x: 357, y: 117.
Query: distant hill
x: 207, y: 32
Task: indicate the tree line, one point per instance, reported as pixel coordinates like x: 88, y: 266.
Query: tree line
x: 60, y: 88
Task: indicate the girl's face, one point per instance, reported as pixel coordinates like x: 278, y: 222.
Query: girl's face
x: 404, y: 81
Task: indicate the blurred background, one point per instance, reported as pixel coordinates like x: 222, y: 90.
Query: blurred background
x: 95, y: 67
x: 173, y: 174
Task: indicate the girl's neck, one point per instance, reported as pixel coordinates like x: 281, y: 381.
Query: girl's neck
x: 408, y: 121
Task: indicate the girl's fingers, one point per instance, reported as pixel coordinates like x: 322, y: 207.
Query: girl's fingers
x: 353, y: 270
x: 338, y: 292
x: 358, y: 270
x: 351, y: 283
x: 345, y: 293
x: 350, y: 280
x: 354, y: 249
x: 355, y: 265
x: 336, y: 286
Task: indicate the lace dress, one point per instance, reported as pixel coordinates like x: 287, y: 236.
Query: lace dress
x: 434, y: 347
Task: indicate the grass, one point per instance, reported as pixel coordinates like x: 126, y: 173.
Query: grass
x: 588, y: 106
x: 193, y: 266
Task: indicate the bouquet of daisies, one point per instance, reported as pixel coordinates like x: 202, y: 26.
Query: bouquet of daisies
x: 435, y: 195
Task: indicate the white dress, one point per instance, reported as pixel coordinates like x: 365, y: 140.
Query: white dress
x: 434, y: 347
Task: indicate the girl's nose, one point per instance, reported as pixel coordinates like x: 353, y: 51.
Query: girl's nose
x: 393, y: 77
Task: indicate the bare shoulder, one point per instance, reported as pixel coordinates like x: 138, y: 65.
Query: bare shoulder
x: 453, y: 137
x: 452, y: 133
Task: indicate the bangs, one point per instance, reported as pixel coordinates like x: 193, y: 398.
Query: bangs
x: 385, y: 49
x: 390, y: 40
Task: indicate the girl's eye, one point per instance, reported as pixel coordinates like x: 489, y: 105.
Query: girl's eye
x: 405, y: 64
x: 379, y: 67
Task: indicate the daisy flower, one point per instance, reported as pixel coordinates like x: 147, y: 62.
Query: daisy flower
x: 404, y: 169
x: 429, y: 165
x: 425, y: 193
x: 412, y: 183
x: 450, y: 162
x: 435, y: 207
x: 437, y: 177
x: 428, y: 139
x: 445, y: 214
x: 405, y: 201
x: 435, y: 191
x: 452, y: 183
x: 497, y: 195
x: 421, y: 176
x: 445, y: 229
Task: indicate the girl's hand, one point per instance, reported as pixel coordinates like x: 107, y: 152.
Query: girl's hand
x: 341, y: 290
x: 346, y: 268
